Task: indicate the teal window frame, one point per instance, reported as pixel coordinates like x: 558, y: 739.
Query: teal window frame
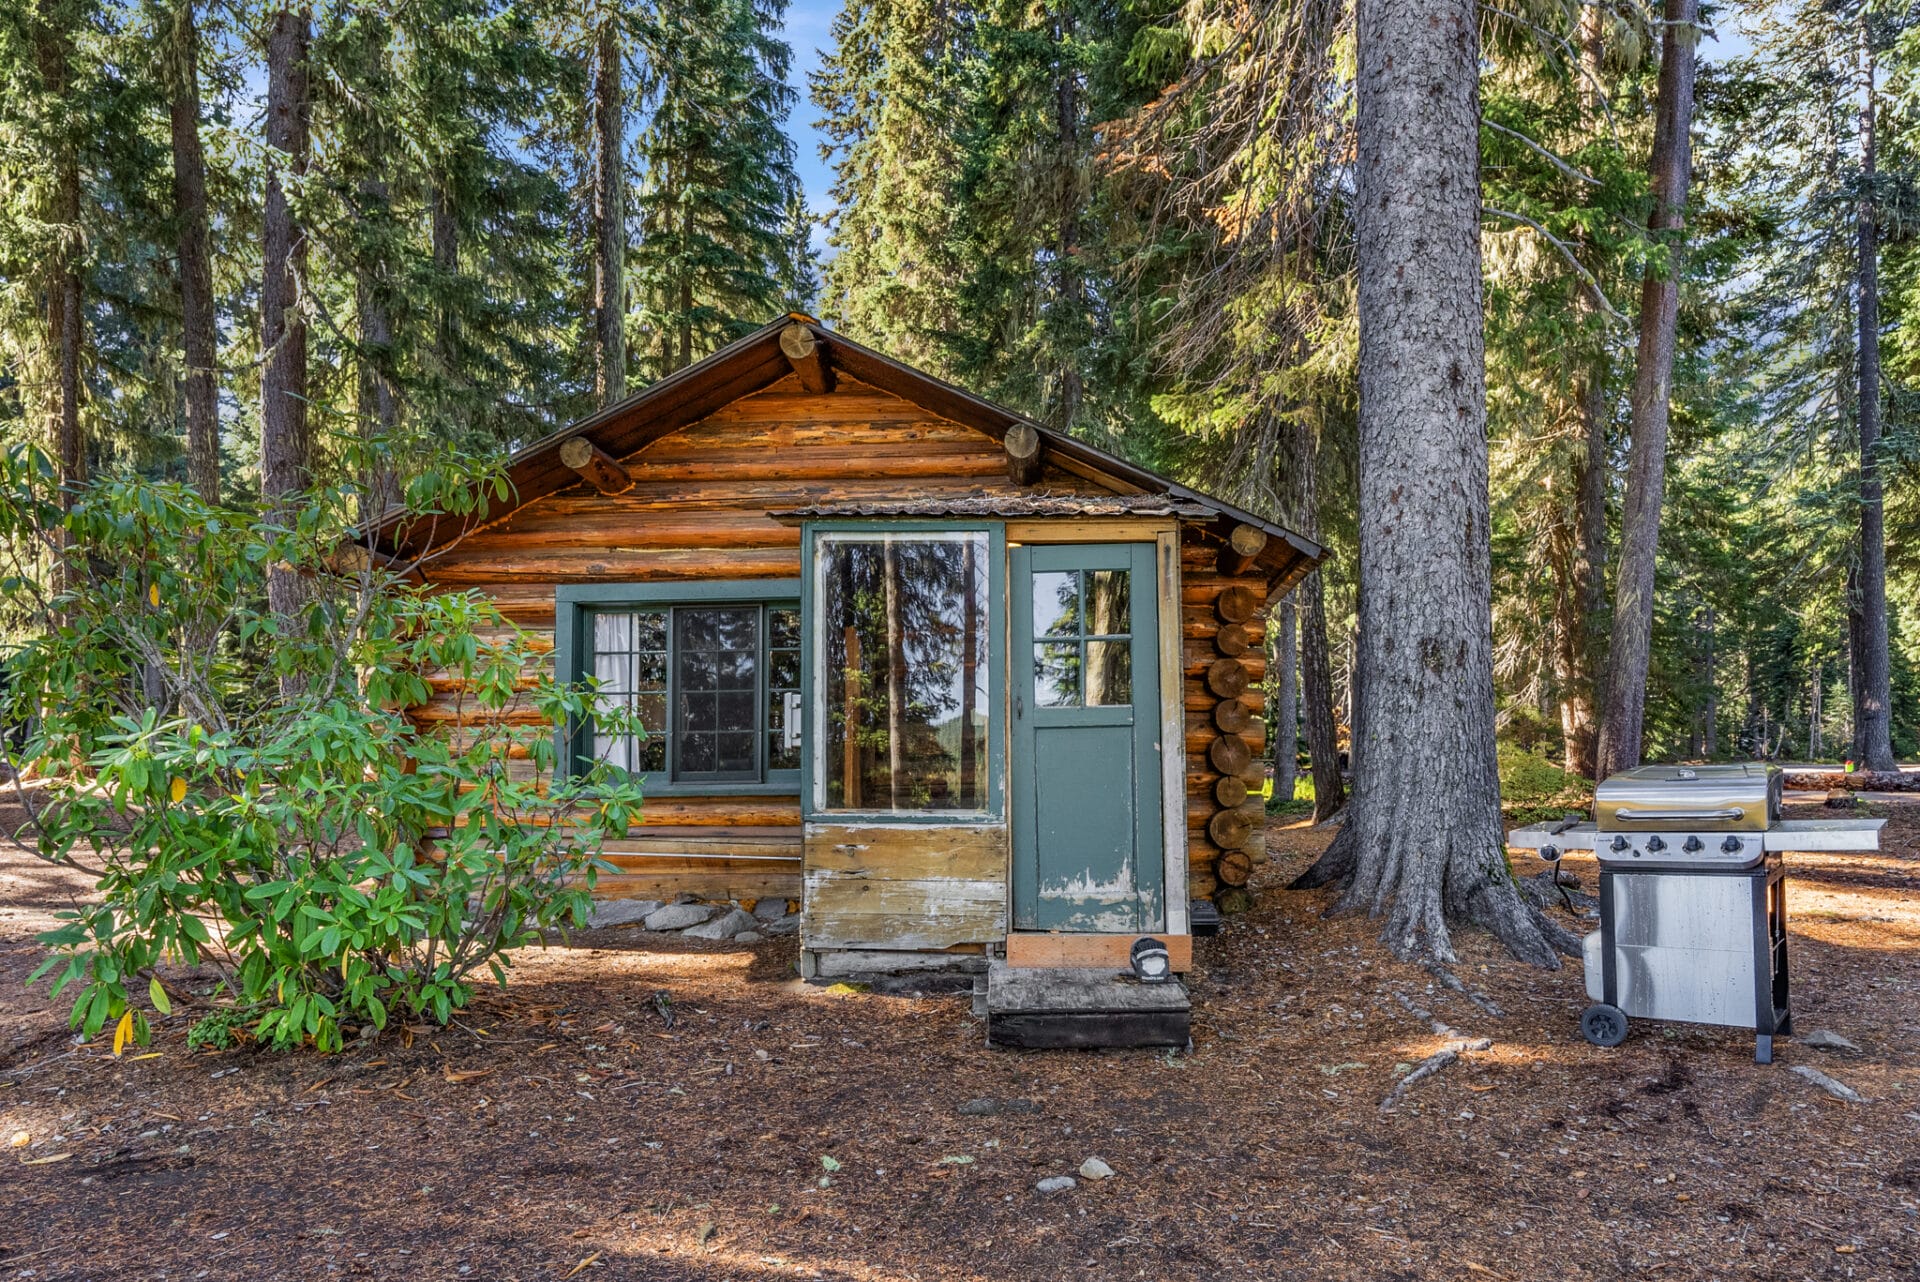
x: 811, y: 656
x: 572, y: 603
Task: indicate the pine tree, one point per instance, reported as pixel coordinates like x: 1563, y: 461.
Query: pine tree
x: 893, y: 92
x: 800, y: 264
x: 717, y: 178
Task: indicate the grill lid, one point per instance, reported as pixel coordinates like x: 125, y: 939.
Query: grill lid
x: 1722, y: 798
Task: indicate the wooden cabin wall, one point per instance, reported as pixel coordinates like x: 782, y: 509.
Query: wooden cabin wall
x: 1226, y: 821
x: 698, y: 510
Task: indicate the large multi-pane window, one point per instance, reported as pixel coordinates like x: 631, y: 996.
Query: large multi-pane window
x: 714, y: 686
x: 902, y: 683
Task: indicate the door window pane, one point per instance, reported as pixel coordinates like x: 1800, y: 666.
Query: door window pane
x: 1109, y: 673
x: 1087, y: 660
x: 1109, y: 603
x: 902, y: 686
x: 1056, y: 605
x: 716, y: 664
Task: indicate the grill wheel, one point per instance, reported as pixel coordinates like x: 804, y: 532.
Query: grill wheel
x: 1603, y: 1025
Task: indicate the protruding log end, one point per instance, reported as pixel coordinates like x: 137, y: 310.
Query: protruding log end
x: 809, y: 360
x: 1233, y: 868
x: 1244, y: 545
x: 1236, y: 604
x: 1230, y: 829
x: 1231, y: 791
x: 1232, y: 639
x: 1023, y: 454
x: 1227, y: 678
x: 1233, y: 716
x: 1234, y: 900
x: 596, y: 467
x: 1230, y: 755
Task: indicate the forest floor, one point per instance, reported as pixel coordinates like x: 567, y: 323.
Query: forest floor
x: 563, y: 1129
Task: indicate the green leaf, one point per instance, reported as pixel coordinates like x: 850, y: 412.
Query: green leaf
x: 158, y: 995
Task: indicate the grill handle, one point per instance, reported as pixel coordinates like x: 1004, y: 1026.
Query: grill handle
x: 1631, y: 815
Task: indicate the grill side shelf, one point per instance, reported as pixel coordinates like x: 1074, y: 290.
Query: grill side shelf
x: 1805, y: 835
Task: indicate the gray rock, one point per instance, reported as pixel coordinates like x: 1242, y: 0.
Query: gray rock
x: 1839, y: 1090
x: 678, y: 916
x: 725, y: 926
x: 770, y: 909
x: 984, y: 1107
x: 1827, y: 1040
x: 1095, y: 1169
x: 1057, y: 1184
x: 788, y: 925
x: 622, y: 912
x: 748, y: 937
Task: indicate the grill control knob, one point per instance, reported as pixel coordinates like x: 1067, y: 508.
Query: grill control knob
x: 1655, y: 845
x: 1731, y: 845
x: 1620, y: 844
x: 1692, y: 845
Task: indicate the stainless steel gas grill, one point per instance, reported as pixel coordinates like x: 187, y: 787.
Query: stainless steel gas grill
x: 1693, y: 910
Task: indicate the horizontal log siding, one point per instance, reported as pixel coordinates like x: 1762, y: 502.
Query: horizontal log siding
x: 1201, y: 584
x: 699, y: 510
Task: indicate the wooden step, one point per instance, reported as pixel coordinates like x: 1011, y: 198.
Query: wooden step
x: 1098, y: 952
x: 1060, y: 1008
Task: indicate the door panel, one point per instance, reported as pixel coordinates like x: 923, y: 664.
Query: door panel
x: 1085, y: 691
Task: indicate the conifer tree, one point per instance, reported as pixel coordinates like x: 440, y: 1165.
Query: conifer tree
x: 717, y: 178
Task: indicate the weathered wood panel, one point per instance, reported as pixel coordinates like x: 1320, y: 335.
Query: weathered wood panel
x: 904, y: 886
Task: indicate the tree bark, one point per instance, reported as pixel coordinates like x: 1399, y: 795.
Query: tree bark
x: 198, y: 339
x: 610, y: 221
x: 1874, y: 715
x: 1316, y: 683
x: 1425, y: 831
x: 1587, y: 583
x: 53, y: 52
x: 444, y: 235
x: 1622, y: 725
x: 1286, y: 709
x: 285, y: 447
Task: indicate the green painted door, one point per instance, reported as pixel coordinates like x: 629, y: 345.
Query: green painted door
x: 1086, y: 783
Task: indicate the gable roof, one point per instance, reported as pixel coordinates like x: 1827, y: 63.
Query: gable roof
x: 758, y: 361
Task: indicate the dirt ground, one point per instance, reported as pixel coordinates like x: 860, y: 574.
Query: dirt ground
x: 563, y: 1129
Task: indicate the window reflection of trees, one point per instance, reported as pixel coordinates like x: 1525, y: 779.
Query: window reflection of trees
x: 1082, y: 625
x: 904, y: 626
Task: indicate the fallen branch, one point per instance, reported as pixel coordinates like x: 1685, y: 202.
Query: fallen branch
x: 1839, y: 1090
x: 1450, y: 981
x: 1426, y: 1068
x: 1854, y: 781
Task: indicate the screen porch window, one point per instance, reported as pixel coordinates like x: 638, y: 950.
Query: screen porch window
x: 901, y: 689
x: 716, y: 689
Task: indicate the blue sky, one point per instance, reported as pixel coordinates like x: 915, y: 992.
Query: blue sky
x: 808, y: 23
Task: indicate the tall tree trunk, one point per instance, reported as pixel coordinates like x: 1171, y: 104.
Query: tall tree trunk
x: 444, y: 237
x: 1856, y: 628
x: 610, y: 221
x: 1424, y: 832
x: 197, y: 335
x: 1623, y: 722
x: 1874, y: 715
x: 1286, y: 704
x: 285, y: 447
x: 1816, y: 738
x: 53, y: 53
x: 1316, y: 693
x: 1587, y: 582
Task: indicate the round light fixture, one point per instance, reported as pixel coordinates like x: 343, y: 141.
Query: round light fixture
x: 1151, y: 965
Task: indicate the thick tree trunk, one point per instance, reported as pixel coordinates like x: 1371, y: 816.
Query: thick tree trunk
x: 1286, y: 704
x: 610, y: 221
x: 1425, y: 830
x: 285, y: 447
x: 1587, y: 585
x: 1622, y: 723
x: 197, y: 335
x: 444, y: 234
x: 1874, y: 715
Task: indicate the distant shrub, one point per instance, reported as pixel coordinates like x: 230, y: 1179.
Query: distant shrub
x: 1531, y: 787
x: 252, y: 796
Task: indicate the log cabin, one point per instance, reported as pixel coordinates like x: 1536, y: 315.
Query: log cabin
x: 955, y: 683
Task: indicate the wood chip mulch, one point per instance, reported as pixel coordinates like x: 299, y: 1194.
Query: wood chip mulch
x: 565, y: 1128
